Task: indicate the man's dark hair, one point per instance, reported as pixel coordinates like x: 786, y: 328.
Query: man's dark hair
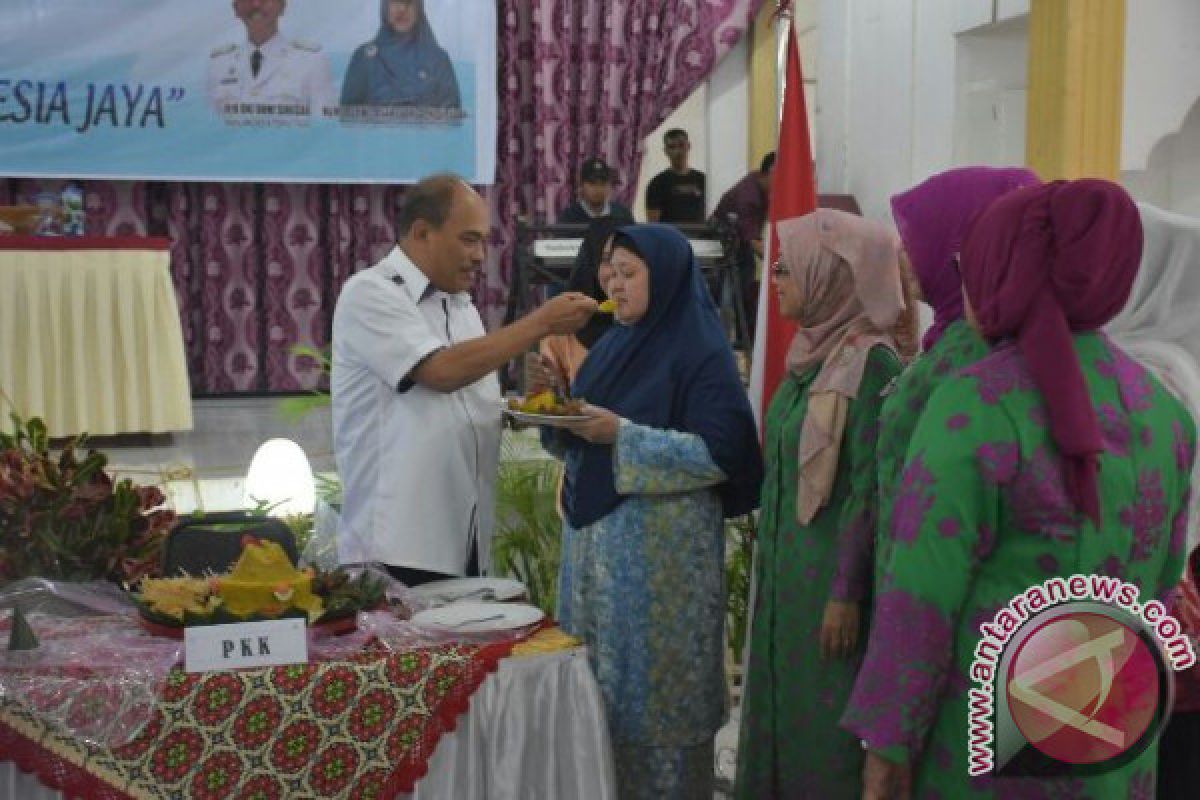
x: 431, y: 200
x: 768, y: 163
x: 674, y: 133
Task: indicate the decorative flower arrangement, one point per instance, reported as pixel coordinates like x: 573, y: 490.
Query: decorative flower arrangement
x: 62, y: 517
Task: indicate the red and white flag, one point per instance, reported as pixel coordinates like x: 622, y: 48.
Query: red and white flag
x: 793, y: 194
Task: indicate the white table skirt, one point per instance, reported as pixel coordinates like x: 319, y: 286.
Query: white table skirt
x: 535, y: 730
x: 91, y: 340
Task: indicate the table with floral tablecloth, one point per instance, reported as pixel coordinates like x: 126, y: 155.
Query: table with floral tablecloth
x: 362, y: 724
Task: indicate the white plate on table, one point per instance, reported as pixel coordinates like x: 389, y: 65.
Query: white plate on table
x: 454, y: 590
x: 478, y: 617
x: 553, y: 420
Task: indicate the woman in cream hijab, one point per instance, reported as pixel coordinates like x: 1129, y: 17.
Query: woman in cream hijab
x: 1160, y: 327
x: 839, y: 277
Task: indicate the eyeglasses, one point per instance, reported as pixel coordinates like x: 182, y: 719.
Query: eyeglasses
x: 780, y: 270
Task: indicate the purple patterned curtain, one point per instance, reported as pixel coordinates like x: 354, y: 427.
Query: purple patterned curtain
x: 257, y: 267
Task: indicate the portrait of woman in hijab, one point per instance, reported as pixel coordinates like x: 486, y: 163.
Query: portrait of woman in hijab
x: 403, y: 65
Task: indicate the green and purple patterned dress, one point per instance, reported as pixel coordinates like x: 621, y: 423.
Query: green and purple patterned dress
x: 790, y: 743
x: 981, y: 515
x: 959, y: 346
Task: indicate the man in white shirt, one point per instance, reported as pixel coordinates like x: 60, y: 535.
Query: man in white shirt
x: 416, y: 403
x: 269, y: 77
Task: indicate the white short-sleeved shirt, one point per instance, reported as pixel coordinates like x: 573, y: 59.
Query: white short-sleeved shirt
x: 418, y: 466
x: 292, y: 73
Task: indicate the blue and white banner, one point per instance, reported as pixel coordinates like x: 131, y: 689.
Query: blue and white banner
x: 322, y: 91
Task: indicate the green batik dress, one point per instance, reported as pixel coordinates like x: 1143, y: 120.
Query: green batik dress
x: 980, y: 516
x: 790, y: 743
x: 959, y: 346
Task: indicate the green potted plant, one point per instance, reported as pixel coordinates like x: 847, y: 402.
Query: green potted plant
x: 528, y: 541
x: 739, y: 560
x: 294, y: 409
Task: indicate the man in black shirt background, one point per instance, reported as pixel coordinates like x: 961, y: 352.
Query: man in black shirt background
x: 595, y: 197
x: 676, y: 194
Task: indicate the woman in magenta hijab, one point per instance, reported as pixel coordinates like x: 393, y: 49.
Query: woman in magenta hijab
x: 1055, y: 455
x: 933, y: 218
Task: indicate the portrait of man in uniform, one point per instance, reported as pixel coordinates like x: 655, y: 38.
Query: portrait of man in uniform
x: 269, y: 73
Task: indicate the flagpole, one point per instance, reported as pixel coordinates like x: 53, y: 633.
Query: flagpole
x: 783, y: 19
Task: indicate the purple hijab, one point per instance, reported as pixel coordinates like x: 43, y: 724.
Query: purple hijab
x: 933, y: 218
x: 1040, y: 263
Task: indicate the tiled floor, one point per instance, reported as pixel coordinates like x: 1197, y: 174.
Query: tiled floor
x: 206, y: 467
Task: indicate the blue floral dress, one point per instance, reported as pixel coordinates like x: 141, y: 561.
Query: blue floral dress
x: 644, y: 588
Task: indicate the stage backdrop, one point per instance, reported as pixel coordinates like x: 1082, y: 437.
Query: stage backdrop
x: 173, y: 90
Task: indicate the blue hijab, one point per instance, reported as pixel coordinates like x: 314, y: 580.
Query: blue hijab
x: 672, y: 369
x: 401, y: 69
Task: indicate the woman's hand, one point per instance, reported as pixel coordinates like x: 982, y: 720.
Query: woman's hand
x: 541, y: 373
x: 839, y: 629
x: 885, y: 780
x: 600, y: 427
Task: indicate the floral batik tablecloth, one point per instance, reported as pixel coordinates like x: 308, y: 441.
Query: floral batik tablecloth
x: 358, y: 726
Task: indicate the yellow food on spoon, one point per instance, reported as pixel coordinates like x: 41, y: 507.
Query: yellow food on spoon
x: 607, y: 307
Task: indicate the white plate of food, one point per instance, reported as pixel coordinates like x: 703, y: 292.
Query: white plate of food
x: 553, y: 420
x: 480, y: 590
x: 478, y: 617
x: 545, y: 408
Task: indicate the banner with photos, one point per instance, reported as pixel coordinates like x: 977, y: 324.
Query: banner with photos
x: 303, y: 91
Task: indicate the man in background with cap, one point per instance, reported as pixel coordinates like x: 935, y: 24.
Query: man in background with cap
x: 595, y: 197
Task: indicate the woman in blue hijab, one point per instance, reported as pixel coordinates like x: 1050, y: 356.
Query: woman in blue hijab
x: 669, y: 449
x: 403, y: 65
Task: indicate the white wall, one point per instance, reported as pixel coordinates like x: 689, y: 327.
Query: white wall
x: 715, y: 118
x: 728, y: 108
x: 906, y: 88
x: 885, y: 89
x: 1162, y: 73
x: 864, y: 114
x: 991, y: 76
x: 901, y: 89
x: 1160, y: 153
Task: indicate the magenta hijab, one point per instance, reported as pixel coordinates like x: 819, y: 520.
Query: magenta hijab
x: 933, y: 218
x: 1039, y: 264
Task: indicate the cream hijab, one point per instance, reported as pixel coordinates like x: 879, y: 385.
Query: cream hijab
x: 1159, y: 325
x: 847, y: 269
